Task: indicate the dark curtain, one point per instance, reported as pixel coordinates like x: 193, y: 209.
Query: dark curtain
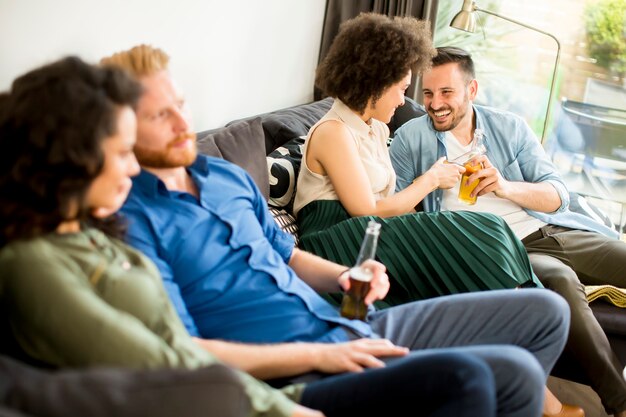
x: 338, y: 11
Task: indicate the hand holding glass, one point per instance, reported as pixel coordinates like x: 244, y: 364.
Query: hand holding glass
x: 467, y: 161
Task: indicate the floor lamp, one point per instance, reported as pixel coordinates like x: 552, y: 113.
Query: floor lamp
x: 466, y: 20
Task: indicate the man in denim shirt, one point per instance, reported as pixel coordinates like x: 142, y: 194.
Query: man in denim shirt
x: 519, y: 183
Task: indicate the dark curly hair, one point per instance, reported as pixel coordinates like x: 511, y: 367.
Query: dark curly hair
x: 52, y: 123
x: 370, y: 53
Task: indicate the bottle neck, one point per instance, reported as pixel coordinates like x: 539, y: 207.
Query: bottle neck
x: 368, y: 248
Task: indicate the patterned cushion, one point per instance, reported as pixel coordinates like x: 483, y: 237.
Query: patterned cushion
x: 286, y: 222
x: 283, y: 165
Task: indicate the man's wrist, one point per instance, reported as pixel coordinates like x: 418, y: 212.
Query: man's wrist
x: 503, y: 191
x: 339, y: 278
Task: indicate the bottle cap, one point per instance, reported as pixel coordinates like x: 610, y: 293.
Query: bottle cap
x: 373, y: 227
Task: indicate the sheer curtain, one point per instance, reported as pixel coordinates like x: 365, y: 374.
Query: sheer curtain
x: 338, y: 11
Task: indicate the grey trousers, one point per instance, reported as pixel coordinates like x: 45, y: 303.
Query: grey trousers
x: 565, y: 260
x: 519, y: 333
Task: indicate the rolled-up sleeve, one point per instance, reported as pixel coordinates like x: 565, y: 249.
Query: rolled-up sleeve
x: 535, y: 164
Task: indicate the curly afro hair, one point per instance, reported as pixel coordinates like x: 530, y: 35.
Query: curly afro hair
x: 370, y: 53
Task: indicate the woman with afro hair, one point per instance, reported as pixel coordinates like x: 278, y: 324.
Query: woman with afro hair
x: 346, y: 177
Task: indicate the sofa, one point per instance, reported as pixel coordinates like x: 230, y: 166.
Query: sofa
x: 269, y: 147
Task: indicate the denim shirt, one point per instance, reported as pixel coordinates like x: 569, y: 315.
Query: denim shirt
x: 512, y: 148
x: 223, y: 260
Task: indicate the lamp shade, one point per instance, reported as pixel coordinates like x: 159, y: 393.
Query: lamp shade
x: 464, y: 20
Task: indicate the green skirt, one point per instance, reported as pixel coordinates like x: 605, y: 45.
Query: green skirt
x: 426, y: 254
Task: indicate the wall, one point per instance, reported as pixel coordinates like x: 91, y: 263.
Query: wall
x: 233, y: 58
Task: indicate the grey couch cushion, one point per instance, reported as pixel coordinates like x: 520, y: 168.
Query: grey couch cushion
x: 242, y: 143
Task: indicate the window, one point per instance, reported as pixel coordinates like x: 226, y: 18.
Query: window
x: 586, y: 134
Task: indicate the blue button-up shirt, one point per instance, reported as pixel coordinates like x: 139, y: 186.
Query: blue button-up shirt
x: 512, y: 148
x: 223, y: 260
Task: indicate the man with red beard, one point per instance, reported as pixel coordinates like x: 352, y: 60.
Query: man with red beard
x: 247, y: 294
x: 519, y: 183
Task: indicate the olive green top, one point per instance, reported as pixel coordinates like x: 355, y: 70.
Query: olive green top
x: 84, y: 299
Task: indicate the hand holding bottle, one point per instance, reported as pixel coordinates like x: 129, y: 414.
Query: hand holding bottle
x: 379, y: 285
x: 472, y: 165
x: 489, y: 179
x: 359, y: 292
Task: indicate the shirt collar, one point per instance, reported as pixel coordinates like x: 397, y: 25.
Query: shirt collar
x: 151, y: 185
x: 480, y: 121
x: 441, y: 136
x: 350, y: 117
x: 148, y: 183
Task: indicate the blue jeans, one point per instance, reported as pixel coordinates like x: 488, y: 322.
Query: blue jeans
x: 518, y: 333
x: 434, y: 384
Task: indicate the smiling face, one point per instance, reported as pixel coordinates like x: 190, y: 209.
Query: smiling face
x: 448, y: 94
x: 109, y: 189
x: 389, y: 101
x: 164, y: 135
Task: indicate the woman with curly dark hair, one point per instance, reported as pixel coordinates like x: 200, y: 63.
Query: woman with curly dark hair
x: 346, y: 177
x: 47, y: 165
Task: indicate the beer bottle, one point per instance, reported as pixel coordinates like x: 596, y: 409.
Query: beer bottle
x: 353, y: 304
x: 466, y: 160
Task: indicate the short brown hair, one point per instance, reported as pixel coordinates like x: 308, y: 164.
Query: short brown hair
x: 371, y: 53
x: 452, y: 54
x: 139, y: 61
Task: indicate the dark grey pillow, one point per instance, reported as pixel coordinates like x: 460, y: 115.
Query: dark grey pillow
x: 283, y: 125
x: 242, y: 143
x: 403, y: 114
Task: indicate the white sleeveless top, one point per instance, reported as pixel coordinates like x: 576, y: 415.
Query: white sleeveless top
x: 371, y: 143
